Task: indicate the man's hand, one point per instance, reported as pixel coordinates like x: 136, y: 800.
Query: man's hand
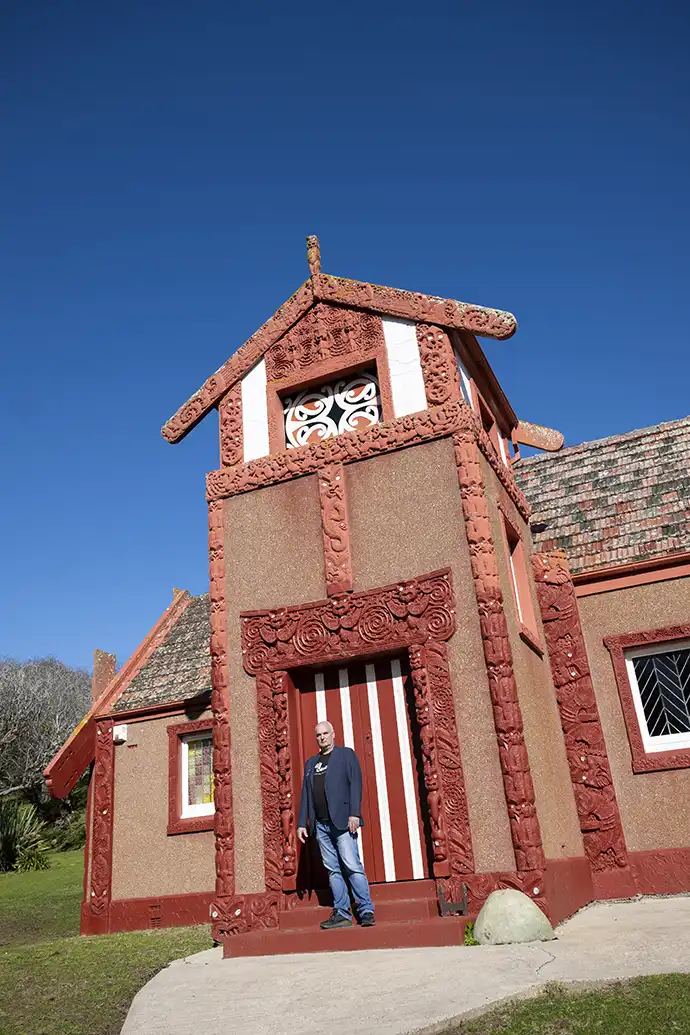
x: 353, y: 824
x: 302, y: 834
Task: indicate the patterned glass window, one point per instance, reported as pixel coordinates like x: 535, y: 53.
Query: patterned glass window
x: 197, y: 775
x: 347, y: 404
x: 660, y: 681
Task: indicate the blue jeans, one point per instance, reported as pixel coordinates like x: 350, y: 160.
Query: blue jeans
x: 340, y: 846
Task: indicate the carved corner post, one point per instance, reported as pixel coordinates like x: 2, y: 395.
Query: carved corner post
x: 230, y: 419
x: 222, y: 779
x: 595, y: 796
x: 443, y: 776
x: 441, y: 378
x: 517, y: 779
x: 96, y: 910
x: 284, y: 762
x: 335, y: 527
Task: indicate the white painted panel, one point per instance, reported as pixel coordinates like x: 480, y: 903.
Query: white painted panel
x: 348, y: 733
x: 404, y: 366
x: 380, y: 770
x: 465, y: 385
x: 255, y: 413
x: 407, y: 774
x: 321, y: 715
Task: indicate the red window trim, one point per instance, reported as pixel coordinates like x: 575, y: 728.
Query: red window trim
x: 642, y: 761
x: 523, y: 597
x: 178, y: 824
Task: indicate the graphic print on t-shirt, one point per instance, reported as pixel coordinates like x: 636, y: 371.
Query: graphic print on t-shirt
x: 320, y: 803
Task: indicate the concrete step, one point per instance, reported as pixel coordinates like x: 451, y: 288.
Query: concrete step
x: 304, y: 917
x: 386, y: 935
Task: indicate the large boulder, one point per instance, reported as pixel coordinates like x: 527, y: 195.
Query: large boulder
x: 509, y: 916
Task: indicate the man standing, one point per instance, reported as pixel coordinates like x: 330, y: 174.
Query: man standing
x: 331, y: 806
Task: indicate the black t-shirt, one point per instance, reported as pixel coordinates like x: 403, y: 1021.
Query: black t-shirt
x: 320, y: 803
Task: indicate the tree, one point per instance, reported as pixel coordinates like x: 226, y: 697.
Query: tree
x: 41, y: 701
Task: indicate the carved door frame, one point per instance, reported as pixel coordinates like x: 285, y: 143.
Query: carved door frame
x: 416, y: 616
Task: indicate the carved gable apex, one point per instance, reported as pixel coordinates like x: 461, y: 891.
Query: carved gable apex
x: 329, y: 316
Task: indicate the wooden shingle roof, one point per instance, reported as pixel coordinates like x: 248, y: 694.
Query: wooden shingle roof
x: 613, y: 501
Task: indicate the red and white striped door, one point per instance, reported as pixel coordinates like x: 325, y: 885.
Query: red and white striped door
x: 371, y: 710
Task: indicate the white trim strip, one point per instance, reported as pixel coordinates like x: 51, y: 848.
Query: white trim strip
x: 321, y: 715
x: 465, y: 384
x: 255, y: 413
x: 407, y: 773
x: 404, y: 367
x: 348, y: 732
x: 380, y: 769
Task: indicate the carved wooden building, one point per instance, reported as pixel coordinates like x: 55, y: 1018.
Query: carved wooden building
x: 372, y: 562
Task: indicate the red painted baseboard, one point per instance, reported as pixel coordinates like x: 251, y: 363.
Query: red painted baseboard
x: 664, y: 872
x: 567, y: 887
x: 140, y: 914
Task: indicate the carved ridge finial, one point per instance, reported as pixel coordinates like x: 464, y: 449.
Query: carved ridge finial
x: 313, y: 255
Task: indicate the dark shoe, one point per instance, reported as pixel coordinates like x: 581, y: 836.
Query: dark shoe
x: 367, y: 920
x: 336, y: 920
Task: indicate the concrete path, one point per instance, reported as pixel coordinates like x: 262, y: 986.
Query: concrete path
x: 395, y: 992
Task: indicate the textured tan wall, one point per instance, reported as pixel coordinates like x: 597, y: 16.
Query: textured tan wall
x: 273, y: 558
x: 406, y: 520
x: 146, y: 862
x: 553, y: 792
x: 654, y: 807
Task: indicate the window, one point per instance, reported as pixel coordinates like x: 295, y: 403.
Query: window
x: 350, y: 403
x: 660, y: 682
x: 522, y: 589
x: 465, y: 383
x: 190, y: 777
x: 197, y: 775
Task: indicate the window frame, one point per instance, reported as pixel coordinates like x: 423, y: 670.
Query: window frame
x: 521, y: 583
x: 623, y: 648
x: 180, y: 820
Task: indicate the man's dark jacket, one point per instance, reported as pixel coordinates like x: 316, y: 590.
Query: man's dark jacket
x: 343, y: 787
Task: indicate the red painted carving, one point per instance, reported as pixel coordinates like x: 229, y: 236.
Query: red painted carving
x: 238, y: 915
x: 350, y: 625
x: 313, y: 254
x: 538, y: 436
x: 438, y: 422
x: 443, y: 777
x: 325, y: 332
x: 446, y: 312
x: 177, y: 824
x: 100, y: 880
x: 246, y: 356
x: 222, y: 777
x: 441, y: 378
x: 595, y: 797
x: 230, y: 415
x: 270, y: 799
x: 336, y: 534
x: 287, y: 813
x: 617, y: 645
x: 517, y: 780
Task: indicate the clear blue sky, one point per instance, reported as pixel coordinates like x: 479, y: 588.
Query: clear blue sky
x: 162, y: 164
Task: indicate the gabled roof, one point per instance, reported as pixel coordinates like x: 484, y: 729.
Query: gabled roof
x: 321, y: 287
x: 172, y: 663
x: 613, y: 501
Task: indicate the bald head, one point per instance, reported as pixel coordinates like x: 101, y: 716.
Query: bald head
x: 325, y: 736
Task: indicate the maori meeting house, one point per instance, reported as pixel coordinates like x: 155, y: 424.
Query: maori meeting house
x: 504, y: 641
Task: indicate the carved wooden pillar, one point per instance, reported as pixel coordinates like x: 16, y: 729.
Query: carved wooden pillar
x: 443, y: 776
x: 336, y: 533
x: 441, y: 378
x: 595, y: 797
x: 97, y: 908
x: 222, y: 779
x: 230, y: 419
x: 517, y: 780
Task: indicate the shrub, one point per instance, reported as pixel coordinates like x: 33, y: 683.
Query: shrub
x: 22, y: 843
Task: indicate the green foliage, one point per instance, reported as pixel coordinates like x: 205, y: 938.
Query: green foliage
x: 53, y: 983
x: 69, y: 833
x: 469, y: 938
x: 22, y: 837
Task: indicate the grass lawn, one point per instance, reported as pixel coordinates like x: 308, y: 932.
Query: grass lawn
x: 55, y: 983
x: 646, y: 1006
